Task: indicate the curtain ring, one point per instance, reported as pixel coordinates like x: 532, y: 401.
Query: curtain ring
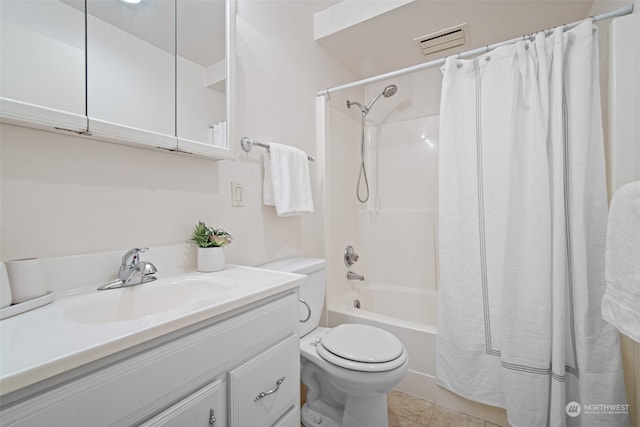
x: 593, y: 19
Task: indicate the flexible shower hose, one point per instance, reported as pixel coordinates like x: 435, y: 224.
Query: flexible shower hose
x: 363, y: 168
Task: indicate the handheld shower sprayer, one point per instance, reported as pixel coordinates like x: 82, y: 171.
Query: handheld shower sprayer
x: 387, y: 92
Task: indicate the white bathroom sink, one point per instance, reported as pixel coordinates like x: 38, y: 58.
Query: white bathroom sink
x: 85, y: 325
x: 148, y: 299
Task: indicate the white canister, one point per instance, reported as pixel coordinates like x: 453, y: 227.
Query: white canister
x: 5, y: 287
x: 27, y: 279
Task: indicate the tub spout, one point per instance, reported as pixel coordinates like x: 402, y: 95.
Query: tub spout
x: 354, y: 276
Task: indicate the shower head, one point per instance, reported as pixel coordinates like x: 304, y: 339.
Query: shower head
x: 387, y: 92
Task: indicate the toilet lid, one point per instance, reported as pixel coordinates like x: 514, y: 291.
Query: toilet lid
x: 362, y: 343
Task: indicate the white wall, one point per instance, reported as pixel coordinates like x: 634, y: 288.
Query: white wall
x: 64, y: 195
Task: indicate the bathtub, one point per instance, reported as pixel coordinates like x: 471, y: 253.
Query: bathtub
x: 410, y: 314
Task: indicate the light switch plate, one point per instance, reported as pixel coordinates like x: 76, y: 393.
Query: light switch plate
x: 237, y: 196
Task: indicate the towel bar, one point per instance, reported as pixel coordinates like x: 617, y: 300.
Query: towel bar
x: 248, y: 143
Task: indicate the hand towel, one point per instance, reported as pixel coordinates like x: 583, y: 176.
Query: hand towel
x: 267, y: 184
x: 290, y: 186
x: 621, y: 301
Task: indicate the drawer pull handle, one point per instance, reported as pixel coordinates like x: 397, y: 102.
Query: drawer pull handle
x: 308, y: 310
x: 267, y: 393
x: 212, y: 418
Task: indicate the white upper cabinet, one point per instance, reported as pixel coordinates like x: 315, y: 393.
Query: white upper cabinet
x: 152, y: 74
x: 42, y: 63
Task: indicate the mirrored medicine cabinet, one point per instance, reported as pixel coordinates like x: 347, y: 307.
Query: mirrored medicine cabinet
x: 153, y: 74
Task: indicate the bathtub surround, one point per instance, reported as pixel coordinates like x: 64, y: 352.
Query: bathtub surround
x: 522, y: 223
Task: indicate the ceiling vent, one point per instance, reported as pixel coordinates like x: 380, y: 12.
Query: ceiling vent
x: 443, y: 39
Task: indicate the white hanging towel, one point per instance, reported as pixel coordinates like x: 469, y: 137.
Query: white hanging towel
x: 287, y: 184
x: 621, y: 301
x: 267, y: 184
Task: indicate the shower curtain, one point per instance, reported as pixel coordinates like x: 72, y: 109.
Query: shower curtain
x: 522, y: 224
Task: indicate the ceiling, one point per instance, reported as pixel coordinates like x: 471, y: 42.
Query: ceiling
x: 385, y: 43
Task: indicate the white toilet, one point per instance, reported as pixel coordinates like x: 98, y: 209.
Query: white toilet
x: 347, y: 370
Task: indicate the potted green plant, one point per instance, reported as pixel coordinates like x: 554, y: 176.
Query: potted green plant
x: 210, y: 243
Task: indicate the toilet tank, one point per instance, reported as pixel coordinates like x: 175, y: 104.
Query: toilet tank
x: 312, y: 289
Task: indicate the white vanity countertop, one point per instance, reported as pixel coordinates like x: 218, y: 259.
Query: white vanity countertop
x: 83, y: 326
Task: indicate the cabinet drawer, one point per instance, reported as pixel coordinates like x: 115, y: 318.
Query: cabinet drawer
x: 204, y: 408
x: 263, y: 389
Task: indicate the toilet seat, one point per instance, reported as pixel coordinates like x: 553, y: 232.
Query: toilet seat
x: 362, y: 348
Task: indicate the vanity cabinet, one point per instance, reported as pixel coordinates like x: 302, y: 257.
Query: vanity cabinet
x: 208, y: 374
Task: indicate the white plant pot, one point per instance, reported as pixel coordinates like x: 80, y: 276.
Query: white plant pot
x: 210, y: 259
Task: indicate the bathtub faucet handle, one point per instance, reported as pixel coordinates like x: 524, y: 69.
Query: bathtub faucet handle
x: 350, y: 256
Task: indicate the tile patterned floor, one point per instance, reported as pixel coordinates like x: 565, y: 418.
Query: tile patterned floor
x: 408, y: 411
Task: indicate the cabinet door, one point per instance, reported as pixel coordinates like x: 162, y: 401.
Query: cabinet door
x: 201, y: 77
x: 290, y: 419
x: 131, y: 71
x: 265, y: 388
x: 42, y: 63
x: 204, y: 408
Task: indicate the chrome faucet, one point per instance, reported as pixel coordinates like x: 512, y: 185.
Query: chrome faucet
x: 354, y: 276
x: 132, y: 271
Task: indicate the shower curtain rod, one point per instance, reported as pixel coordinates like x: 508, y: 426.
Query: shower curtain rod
x: 327, y: 92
